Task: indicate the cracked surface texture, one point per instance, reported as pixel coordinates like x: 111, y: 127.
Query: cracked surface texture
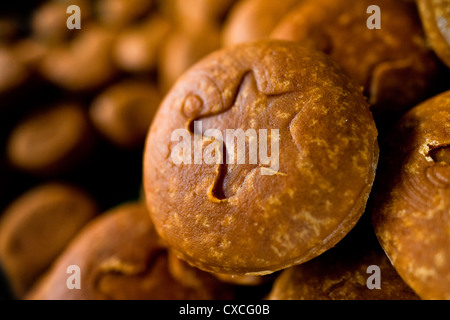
x: 228, y: 218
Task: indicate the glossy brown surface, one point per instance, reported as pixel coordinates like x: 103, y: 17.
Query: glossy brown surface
x: 37, y: 226
x: 220, y: 218
x: 411, y: 198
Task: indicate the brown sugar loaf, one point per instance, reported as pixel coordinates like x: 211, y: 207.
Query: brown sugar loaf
x: 123, y: 112
x: 393, y: 64
x: 51, y: 140
x: 37, y: 226
x: 249, y: 218
x: 435, y: 15
x: 243, y: 280
x: 120, y: 257
x: 192, y: 277
x: 181, y: 50
x: 198, y: 15
x: 48, y: 22
x: 411, y: 198
x: 137, y: 47
x: 83, y: 64
x: 117, y: 14
x: 345, y: 272
x: 252, y: 20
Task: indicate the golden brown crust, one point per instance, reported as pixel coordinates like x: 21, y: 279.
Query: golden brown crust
x: 224, y: 223
x: 411, y: 198
x: 120, y: 258
x: 435, y: 15
x: 37, y: 226
x: 394, y: 64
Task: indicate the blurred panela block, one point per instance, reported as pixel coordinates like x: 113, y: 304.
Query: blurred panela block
x: 131, y: 265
